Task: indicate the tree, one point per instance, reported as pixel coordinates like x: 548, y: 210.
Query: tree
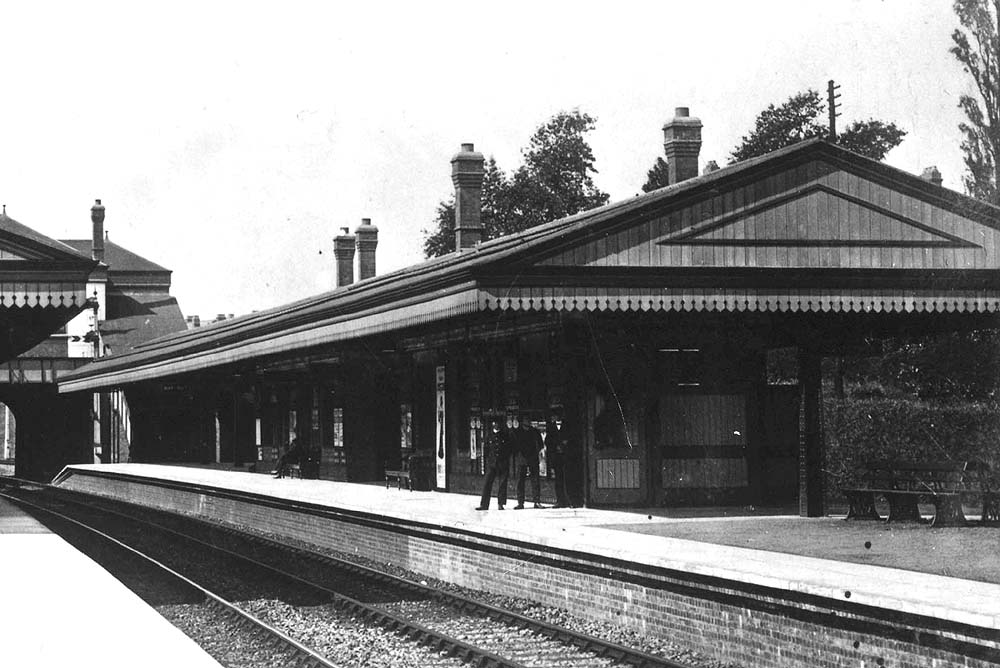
x: 799, y: 118
x: 657, y: 177
x: 980, y: 57
x: 786, y: 124
x: 554, y: 181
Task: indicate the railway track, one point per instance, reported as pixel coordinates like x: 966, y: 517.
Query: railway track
x: 320, y: 588
x: 275, y: 647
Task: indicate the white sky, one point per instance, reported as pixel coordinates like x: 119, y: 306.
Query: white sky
x: 230, y: 141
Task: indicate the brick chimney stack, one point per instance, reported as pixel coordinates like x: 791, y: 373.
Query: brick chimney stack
x: 467, y: 175
x: 933, y: 175
x: 367, y: 243
x: 682, y: 143
x: 343, y: 255
x: 97, y: 218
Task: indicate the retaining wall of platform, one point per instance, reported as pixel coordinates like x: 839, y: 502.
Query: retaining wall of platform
x: 733, y: 621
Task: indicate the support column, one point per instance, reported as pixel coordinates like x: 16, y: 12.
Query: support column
x: 755, y: 427
x: 811, y: 449
x: 574, y: 353
x: 106, y: 426
x: 244, y: 446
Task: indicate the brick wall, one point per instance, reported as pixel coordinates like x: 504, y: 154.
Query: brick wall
x: 731, y: 621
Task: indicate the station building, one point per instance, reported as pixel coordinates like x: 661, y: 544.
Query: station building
x: 646, y: 324
x: 62, y: 304
x: 43, y: 286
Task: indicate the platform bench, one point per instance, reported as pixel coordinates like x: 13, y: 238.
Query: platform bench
x: 400, y: 475
x: 903, y: 484
x: 307, y: 468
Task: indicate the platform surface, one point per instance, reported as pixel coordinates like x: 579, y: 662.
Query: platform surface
x: 586, y: 530
x: 59, y: 608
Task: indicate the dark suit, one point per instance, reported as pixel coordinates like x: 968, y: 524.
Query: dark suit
x: 528, y: 443
x: 498, y: 451
x: 556, y: 457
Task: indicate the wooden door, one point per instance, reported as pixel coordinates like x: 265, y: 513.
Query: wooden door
x: 703, y: 441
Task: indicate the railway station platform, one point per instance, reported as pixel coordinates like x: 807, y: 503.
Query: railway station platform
x: 59, y: 608
x: 748, y: 606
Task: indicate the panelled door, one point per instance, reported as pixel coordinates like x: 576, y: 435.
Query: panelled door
x: 703, y: 444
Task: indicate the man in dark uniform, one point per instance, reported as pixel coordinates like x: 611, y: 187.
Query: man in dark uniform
x: 555, y: 450
x: 527, y: 445
x: 498, y: 451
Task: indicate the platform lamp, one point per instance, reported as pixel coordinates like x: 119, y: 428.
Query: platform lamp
x: 94, y: 335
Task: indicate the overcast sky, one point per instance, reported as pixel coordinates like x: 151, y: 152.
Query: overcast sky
x: 230, y: 141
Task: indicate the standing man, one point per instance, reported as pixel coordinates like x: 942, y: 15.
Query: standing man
x: 498, y: 451
x: 555, y: 450
x: 528, y: 443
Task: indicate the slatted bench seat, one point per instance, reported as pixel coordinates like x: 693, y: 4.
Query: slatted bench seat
x: 400, y: 475
x: 307, y: 468
x: 903, y: 484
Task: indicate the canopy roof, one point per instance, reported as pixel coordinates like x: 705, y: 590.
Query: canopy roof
x: 811, y: 227
x: 43, y: 285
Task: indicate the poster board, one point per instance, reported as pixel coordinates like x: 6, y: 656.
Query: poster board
x: 440, y: 430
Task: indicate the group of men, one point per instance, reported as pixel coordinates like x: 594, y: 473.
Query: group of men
x: 523, y: 444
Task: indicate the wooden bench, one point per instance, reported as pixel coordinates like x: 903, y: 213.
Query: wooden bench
x: 307, y: 468
x: 903, y: 484
x: 400, y: 475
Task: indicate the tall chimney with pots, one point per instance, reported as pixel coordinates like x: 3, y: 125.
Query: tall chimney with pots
x: 343, y: 255
x: 367, y: 243
x: 97, y: 218
x: 933, y: 175
x: 467, y: 175
x: 682, y: 143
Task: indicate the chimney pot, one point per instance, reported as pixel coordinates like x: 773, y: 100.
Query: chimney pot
x: 933, y: 175
x: 682, y: 143
x: 97, y: 219
x: 467, y: 176
x: 367, y: 235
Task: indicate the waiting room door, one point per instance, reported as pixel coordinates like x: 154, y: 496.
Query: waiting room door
x: 703, y: 440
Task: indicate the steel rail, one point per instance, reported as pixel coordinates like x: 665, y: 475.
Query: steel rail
x: 411, y: 630
x: 598, y: 646
x: 303, y: 656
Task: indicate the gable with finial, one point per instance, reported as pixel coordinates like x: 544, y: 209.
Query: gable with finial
x: 810, y: 227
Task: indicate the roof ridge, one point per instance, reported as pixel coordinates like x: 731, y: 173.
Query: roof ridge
x: 453, y: 267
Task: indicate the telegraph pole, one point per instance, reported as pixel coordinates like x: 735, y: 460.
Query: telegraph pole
x: 832, y: 95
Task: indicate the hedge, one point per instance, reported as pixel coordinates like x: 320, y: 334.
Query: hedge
x: 860, y: 430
